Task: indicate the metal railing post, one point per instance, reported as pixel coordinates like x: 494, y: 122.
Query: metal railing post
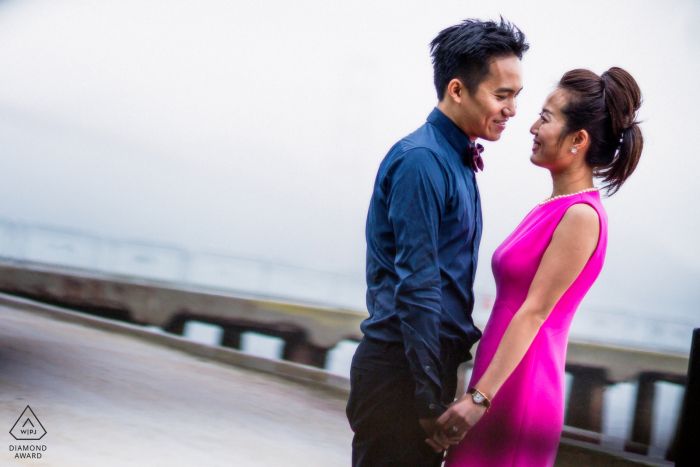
x: 688, y: 450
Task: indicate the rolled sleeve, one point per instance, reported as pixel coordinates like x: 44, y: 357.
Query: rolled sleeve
x: 416, y: 200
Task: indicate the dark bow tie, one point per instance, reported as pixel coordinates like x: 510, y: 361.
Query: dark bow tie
x: 472, y: 157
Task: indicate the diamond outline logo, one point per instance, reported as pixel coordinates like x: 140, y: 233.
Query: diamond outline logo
x: 28, y: 417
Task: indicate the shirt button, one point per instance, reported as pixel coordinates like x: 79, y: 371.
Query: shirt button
x: 427, y: 368
x: 431, y: 406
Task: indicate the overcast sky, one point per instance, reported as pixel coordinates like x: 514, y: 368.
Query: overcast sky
x: 256, y: 128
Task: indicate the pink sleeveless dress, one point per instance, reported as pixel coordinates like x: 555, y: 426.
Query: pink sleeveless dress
x: 524, y: 425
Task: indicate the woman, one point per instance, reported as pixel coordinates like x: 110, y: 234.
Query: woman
x: 587, y: 129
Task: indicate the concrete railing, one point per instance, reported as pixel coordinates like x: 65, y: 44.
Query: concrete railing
x: 594, y: 367
x: 571, y: 452
x: 309, y: 331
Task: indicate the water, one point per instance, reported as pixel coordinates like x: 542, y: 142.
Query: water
x: 285, y: 282
x: 178, y: 266
x: 618, y: 413
x: 340, y: 357
x: 261, y: 345
x: 252, y: 343
x: 668, y: 401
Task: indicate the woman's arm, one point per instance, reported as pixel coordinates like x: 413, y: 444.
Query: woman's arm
x: 573, y: 243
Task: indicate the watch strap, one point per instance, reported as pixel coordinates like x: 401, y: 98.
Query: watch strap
x: 485, y: 402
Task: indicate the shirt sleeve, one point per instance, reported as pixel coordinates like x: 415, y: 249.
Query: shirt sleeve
x: 416, y: 200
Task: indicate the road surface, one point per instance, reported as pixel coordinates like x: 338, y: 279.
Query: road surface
x: 112, y: 400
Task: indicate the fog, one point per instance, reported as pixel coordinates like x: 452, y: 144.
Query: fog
x: 255, y: 129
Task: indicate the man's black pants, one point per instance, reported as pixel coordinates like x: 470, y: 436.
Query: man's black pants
x: 382, y: 410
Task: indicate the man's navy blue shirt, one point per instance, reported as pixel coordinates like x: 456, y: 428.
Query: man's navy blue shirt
x: 423, y: 233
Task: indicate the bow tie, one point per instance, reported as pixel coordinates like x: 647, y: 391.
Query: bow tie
x: 472, y: 157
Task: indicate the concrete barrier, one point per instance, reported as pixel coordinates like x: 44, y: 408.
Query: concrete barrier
x: 572, y: 452
x: 309, y: 331
x: 302, y: 373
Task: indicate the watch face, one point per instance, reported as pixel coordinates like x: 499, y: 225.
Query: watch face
x: 478, y: 398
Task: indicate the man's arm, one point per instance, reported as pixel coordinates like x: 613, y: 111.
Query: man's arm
x: 416, y: 196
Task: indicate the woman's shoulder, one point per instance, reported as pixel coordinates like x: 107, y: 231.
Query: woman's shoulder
x: 580, y: 225
x: 587, y: 207
x: 581, y: 214
x: 582, y: 207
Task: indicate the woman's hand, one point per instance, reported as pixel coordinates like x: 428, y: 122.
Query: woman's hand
x: 453, y: 425
x: 460, y: 417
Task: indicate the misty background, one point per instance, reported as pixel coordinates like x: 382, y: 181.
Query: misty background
x: 255, y: 129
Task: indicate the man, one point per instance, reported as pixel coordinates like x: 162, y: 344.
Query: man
x: 423, y: 232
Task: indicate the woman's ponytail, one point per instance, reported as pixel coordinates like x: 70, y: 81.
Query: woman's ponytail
x: 622, y: 100
x: 606, y: 107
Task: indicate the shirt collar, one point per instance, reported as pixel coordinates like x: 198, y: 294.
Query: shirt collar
x: 452, y: 133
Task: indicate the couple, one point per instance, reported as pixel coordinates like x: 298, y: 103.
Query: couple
x: 423, y: 232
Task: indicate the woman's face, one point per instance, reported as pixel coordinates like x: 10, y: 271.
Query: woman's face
x: 550, y: 150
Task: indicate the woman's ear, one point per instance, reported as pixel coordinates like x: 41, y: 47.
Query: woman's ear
x: 581, y: 140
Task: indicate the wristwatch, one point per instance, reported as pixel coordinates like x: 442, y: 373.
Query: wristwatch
x: 479, y: 398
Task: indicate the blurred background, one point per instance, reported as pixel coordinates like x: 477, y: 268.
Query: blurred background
x: 195, y: 141
x: 234, y: 145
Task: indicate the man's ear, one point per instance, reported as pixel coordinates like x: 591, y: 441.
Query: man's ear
x: 455, y: 90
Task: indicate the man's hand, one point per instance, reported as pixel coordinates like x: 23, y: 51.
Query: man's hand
x: 460, y: 417
x: 437, y: 439
x: 428, y: 425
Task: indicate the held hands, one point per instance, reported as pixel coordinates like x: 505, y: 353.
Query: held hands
x: 449, y: 429
x: 437, y: 440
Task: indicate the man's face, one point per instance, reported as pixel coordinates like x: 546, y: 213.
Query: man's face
x: 484, y: 114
